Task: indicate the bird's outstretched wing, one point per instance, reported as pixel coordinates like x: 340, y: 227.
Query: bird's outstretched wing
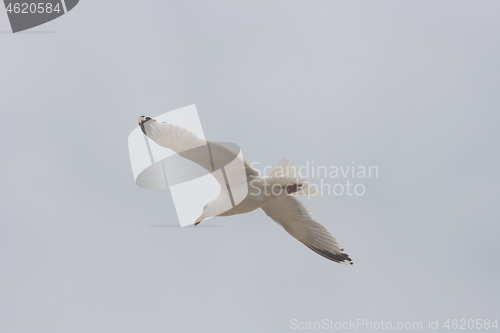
x: 289, y: 212
x: 210, y: 155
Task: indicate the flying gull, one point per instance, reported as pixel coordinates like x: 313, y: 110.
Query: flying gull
x: 275, y: 194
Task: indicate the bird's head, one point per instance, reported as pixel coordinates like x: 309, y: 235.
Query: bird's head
x: 207, y: 210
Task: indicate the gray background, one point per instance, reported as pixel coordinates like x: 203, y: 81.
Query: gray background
x: 412, y: 87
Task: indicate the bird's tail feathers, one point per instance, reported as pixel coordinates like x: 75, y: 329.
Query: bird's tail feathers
x: 285, y: 173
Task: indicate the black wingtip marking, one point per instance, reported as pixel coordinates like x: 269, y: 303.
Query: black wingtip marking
x: 337, y: 257
x: 142, y: 122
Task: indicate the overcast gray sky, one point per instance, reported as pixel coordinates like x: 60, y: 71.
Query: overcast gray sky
x: 409, y: 86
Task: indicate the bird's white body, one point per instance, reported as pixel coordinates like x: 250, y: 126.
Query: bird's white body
x: 259, y: 194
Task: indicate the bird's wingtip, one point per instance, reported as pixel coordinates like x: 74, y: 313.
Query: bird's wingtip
x: 339, y: 257
x: 142, y: 119
x: 346, y: 262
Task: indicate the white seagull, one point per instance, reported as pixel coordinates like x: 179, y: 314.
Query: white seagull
x: 282, y: 206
